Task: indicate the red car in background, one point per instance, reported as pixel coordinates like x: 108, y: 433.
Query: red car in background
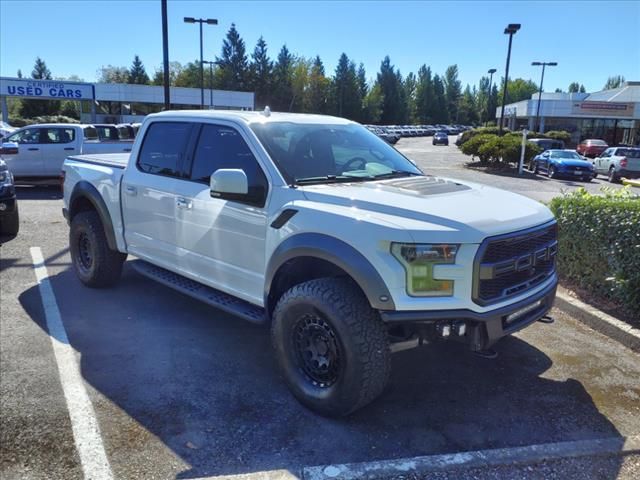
x: 591, y: 147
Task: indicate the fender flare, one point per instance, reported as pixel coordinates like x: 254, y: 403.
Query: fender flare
x: 85, y: 190
x: 339, y: 253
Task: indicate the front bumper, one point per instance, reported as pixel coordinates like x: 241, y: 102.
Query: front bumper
x: 483, y: 329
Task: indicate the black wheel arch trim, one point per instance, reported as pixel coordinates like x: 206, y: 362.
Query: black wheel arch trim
x: 341, y: 254
x: 85, y: 190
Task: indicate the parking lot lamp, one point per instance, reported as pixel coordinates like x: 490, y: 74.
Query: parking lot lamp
x: 490, y: 72
x: 544, y: 64
x: 208, y: 21
x: 510, y: 30
x: 211, y: 64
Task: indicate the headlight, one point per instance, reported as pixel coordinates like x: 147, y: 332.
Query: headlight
x: 418, y: 261
x: 5, y: 177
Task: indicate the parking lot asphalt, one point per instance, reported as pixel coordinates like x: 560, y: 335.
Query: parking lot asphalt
x: 181, y: 390
x: 449, y: 161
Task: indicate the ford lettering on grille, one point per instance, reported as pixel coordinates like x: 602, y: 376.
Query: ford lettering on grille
x: 511, y: 264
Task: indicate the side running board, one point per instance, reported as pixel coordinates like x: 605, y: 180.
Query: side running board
x: 211, y: 296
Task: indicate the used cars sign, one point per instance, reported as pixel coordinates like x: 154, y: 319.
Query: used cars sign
x: 19, y: 87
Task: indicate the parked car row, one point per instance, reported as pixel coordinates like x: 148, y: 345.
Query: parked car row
x: 392, y: 133
x: 37, y: 151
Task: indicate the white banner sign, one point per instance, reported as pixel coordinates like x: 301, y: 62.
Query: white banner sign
x: 21, y: 87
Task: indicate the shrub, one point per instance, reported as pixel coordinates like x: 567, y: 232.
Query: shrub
x: 559, y: 135
x: 599, y: 244
x: 472, y: 146
x: 469, y: 134
x: 23, y: 122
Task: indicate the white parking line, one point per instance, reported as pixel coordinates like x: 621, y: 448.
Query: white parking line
x: 86, y: 432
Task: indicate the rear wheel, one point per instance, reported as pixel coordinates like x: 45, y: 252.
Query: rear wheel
x: 612, y: 177
x: 95, y: 263
x: 331, y: 346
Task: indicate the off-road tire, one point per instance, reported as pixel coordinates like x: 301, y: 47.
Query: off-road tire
x: 96, y: 265
x: 362, y: 345
x: 10, y: 225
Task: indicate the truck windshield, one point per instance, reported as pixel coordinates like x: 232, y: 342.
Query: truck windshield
x: 318, y: 153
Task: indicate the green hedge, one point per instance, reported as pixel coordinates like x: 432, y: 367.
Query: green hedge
x: 494, y: 150
x: 23, y: 122
x: 599, y: 244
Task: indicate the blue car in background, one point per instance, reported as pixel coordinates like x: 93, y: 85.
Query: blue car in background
x: 566, y: 163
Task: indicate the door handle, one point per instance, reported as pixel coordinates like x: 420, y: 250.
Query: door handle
x: 183, y: 203
x: 33, y: 149
x: 131, y: 190
x: 69, y: 148
x: 127, y: 150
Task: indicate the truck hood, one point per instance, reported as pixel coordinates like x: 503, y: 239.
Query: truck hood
x: 433, y: 209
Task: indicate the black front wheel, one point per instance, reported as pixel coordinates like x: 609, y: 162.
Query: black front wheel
x: 331, y: 346
x: 552, y: 172
x: 612, y: 177
x: 10, y: 225
x: 94, y: 262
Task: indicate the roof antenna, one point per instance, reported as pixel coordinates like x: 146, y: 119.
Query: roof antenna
x: 267, y: 111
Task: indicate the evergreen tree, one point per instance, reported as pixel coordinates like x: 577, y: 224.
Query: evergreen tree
x: 582, y: 89
x: 40, y: 70
x: 558, y: 90
x: 440, y: 113
x: 410, y: 87
x: 574, y: 87
x: 347, y: 98
x: 233, y: 71
x: 282, y: 92
x: 35, y: 108
x: 453, y: 90
x: 614, y: 82
x: 19, y: 73
x: 467, y: 113
x: 424, y: 96
x: 362, y: 81
x: 391, y: 90
x: 318, y: 91
x: 137, y: 73
x: 261, y: 72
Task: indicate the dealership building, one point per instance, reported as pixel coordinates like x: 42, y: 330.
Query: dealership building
x: 611, y: 115
x: 117, y: 102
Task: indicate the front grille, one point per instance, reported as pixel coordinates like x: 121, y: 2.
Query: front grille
x: 511, y: 264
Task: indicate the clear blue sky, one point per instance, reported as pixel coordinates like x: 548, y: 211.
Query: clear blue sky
x: 590, y: 40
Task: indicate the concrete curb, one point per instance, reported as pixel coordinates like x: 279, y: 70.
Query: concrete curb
x: 474, y: 459
x: 599, y: 321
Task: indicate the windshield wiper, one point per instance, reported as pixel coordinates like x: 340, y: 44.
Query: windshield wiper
x: 329, y: 179
x: 395, y: 174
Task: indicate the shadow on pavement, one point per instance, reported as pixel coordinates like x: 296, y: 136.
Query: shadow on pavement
x: 206, y: 385
x: 38, y: 192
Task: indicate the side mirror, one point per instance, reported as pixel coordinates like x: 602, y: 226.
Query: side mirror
x: 229, y: 183
x: 9, y: 148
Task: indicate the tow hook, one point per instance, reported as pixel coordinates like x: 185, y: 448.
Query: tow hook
x: 546, y: 319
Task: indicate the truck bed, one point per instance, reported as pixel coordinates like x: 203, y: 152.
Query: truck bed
x: 114, y: 160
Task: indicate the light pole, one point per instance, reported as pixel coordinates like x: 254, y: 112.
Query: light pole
x: 211, y: 64
x: 491, y: 71
x: 544, y: 64
x: 510, y: 30
x: 165, y: 55
x: 208, y: 21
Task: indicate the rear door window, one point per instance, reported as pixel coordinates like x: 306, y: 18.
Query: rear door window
x: 164, y: 148
x: 59, y: 135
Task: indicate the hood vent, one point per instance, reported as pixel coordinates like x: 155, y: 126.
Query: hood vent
x: 427, y: 185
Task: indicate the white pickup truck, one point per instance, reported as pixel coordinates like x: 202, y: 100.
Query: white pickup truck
x: 318, y: 228
x: 38, y: 151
